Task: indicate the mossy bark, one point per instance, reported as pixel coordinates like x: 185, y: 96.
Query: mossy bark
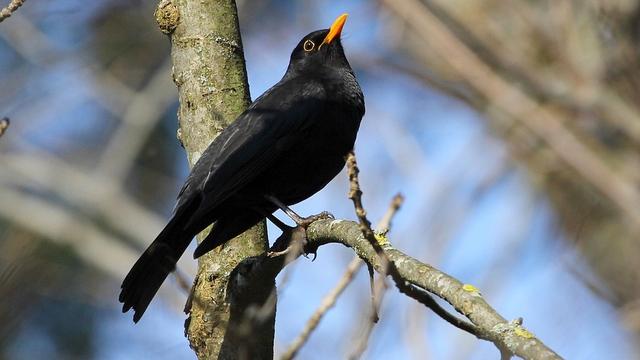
x: 210, y: 73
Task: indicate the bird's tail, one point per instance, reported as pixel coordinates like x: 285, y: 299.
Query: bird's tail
x: 152, y: 268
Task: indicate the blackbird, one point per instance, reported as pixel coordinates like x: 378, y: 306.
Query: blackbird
x: 289, y: 143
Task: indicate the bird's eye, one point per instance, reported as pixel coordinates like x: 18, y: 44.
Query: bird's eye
x: 308, y: 45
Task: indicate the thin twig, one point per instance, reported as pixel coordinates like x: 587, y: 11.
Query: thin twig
x: 10, y: 9
x: 4, y: 125
x: 386, y: 266
x: 332, y: 297
x: 355, y: 194
x: 385, y: 223
x: 423, y: 297
x: 379, y: 287
x: 327, y: 303
x: 372, y: 286
x: 139, y: 118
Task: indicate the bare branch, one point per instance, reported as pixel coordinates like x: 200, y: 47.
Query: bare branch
x: 4, y: 125
x: 540, y: 120
x: 94, y: 194
x: 467, y: 300
x: 10, y: 9
x: 210, y: 74
x: 378, y: 288
x: 413, y: 278
x: 386, y: 266
x: 54, y: 223
x: 385, y: 223
x: 355, y: 194
x: 331, y: 298
x: 138, y: 120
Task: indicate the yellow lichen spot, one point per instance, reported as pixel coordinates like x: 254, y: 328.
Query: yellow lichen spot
x: 470, y: 288
x: 522, y: 332
x: 382, y: 239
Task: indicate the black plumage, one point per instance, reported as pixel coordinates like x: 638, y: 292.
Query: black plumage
x: 288, y: 144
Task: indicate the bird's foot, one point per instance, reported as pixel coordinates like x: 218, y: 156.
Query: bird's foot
x: 295, y: 239
x: 275, y: 254
x: 306, y: 221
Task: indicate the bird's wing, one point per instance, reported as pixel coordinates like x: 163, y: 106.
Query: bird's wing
x: 254, y: 141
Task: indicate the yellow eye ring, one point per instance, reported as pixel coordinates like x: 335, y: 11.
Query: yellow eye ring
x: 308, y: 45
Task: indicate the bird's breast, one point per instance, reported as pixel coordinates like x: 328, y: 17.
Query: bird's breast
x: 315, y: 158
x: 346, y: 91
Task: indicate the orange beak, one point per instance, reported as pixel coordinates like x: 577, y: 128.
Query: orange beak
x: 335, y: 29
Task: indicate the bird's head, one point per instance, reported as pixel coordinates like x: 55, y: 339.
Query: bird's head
x: 320, y: 49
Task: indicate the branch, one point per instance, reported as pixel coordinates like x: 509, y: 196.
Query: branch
x: 4, y: 125
x: 421, y: 277
x: 385, y: 223
x: 10, y: 9
x: 138, y: 120
x: 379, y: 287
x: 386, y: 266
x: 61, y: 226
x: 417, y: 281
x: 53, y: 222
x: 331, y: 298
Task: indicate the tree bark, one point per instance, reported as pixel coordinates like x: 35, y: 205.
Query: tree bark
x: 210, y: 73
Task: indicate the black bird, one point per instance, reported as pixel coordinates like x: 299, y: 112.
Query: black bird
x: 284, y: 148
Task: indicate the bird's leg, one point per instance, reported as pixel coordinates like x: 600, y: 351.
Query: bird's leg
x: 278, y: 223
x: 293, y: 238
x: 303, y: 222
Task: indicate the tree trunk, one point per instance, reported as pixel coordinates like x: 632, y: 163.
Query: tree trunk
x: 209, y: 71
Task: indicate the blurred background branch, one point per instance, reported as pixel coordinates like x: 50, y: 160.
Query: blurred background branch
x: 4, y: 125
x: 6, y: 11
x: 556, y: 81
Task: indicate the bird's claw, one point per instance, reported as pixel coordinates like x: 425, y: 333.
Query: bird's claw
x: 325, y: 215
x: 315, y: 255
x: 275, y: 254
x: 293, y: 240
x: 306, y: 221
